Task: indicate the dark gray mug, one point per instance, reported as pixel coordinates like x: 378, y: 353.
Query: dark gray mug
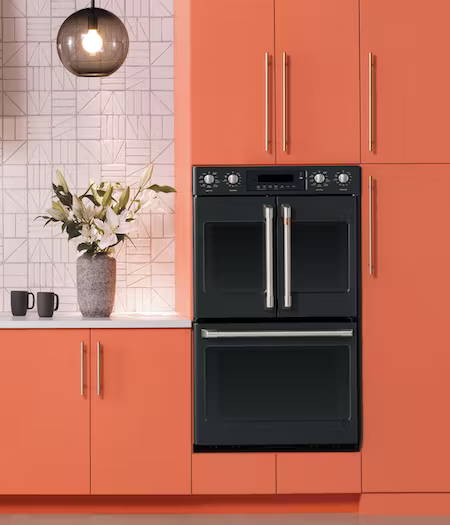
x: 20, y: 302
x: 47, y: 303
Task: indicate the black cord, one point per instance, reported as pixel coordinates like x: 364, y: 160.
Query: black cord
x: 92, y: 4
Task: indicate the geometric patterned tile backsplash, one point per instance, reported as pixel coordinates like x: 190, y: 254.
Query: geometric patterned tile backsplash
x: 108, y: 128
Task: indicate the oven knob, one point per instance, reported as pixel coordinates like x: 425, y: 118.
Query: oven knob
x: 209, y: 179
x: 233, y: 178
x: 319, y: 178
x: 343, y: 178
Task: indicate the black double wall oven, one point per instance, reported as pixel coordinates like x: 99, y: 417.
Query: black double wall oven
x: 276, y: 306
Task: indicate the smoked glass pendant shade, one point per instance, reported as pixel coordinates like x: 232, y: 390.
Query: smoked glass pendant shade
x: 92, y: 43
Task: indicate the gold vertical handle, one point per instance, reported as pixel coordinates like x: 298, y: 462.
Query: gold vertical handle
x: 99, y: 369
x: 284, y: 101
x: 267, y: 102
x: 371, y: 102
x: 82, y: 369
x: 371, y: 263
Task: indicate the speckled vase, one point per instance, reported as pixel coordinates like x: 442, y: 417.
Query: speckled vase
x: 96, y: 284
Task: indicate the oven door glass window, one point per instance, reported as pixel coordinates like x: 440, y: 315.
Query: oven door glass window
x: 321, y: 253
x: 233, y: 254
x: 286, y: 383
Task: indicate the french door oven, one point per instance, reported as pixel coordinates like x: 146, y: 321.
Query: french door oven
x: 283, y: 256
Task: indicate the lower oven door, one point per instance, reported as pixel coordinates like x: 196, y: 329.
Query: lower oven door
x: 276, y: 386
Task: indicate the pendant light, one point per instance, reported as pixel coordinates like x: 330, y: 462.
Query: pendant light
x: 92, y: 42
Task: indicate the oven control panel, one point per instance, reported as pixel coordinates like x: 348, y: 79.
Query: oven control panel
x: 274, y: 180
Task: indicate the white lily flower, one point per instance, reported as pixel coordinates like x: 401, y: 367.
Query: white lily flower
x: 90, y: 210
x: 112, y: 225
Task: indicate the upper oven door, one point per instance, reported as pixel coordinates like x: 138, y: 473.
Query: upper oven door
x: 317, y: 256
x: 234, y: 257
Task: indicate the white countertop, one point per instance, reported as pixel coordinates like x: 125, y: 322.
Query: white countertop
x: 62, y: 320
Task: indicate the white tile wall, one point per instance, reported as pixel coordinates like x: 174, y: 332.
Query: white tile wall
x: 108, y: 128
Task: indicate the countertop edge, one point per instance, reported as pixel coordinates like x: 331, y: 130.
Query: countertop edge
x: 30, y: 324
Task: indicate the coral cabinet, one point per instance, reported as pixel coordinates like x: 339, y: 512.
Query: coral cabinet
x: 44, y: 436
x: 272, y: 81
x: 101, y: 411
x: 141, y: 417
x: 405, y: 81
x: 406, y: 358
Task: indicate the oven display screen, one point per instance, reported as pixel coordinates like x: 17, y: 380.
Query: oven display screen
x: 276, y: 178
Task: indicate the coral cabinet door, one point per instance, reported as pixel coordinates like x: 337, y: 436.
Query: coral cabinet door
x: 406, y: 353
x: 232, y: 81
x: 317, y: 86
x: 44, y: 436
x: 410, y: 81
x: 141, y: 423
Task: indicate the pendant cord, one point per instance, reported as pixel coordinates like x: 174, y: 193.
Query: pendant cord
x: 92, y: 4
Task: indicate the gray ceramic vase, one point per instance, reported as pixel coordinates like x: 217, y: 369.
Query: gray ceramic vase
x: 96, y: 284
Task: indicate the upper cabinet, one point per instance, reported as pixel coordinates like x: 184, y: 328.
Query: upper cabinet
x: 405, y: 81
x: 272, y: 81
x: 232, y: 113
x: 317, y: 81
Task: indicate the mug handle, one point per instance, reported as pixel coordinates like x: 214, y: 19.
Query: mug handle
x: 56, y: 302
x: 28, y: 302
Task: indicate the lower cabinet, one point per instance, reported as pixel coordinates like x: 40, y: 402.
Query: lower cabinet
x: 101, y: 411
x: 44, y: 431
x: 319, y: 473
x: 229, y: 473
x: 280, y: 473
x: 141, y: 417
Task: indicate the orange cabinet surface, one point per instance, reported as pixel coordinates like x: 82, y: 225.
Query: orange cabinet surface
x: 141, y: 411
x: 319, y: 473
x: 320, y: 117
x: 229, y: 41
x: 228, y: 473
x: 406, y: 354
x: 411, y: 82
x: 44, y: 434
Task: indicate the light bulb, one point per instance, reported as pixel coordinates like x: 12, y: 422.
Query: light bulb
x: 92, y: 42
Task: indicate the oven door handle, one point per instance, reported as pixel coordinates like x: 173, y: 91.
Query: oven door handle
x: 268, y: 218
x: 217, y: 334
x: 287, y: 241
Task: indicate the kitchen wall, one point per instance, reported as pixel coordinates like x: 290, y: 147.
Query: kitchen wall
x: 107, y: 128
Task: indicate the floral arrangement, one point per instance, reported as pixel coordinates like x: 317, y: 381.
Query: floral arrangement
x: 103, y: 216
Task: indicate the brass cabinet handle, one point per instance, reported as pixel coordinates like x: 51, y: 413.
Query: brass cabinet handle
x: 284, y: 101
x: 371, y: 263
x: 82, y: 369
x: 267, y: 102
x: 99, y: 369
x: 371, y: 103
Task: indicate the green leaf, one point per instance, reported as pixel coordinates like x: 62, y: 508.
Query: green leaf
x: 72, y: 230
x: 123, y: 200
x: 97, y: 197
x: 62, y: 181
x: 106, y: 201
x: 161, y: 189
x: 147, y: 176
